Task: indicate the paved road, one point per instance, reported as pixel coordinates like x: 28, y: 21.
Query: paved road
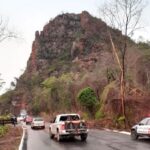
x: 97, y: 140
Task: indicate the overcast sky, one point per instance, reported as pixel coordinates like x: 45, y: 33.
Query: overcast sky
x: 27, y: 16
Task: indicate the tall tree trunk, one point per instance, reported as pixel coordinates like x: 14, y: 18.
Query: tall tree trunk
x: 122, y: 91
x: 123, y: 85
x: 122, y: 69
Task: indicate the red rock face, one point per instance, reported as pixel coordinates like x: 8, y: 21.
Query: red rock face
x: 67, y: 35
x: 91, y: 25
x: 33, y: 57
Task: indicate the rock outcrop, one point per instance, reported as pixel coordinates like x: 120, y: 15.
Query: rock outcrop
x: 77, y: 44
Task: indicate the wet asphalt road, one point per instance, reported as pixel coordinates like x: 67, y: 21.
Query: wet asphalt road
x: 97, y: 140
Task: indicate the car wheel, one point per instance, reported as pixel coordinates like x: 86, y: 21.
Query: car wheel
x: 83, y: 137
x: 50, y: 134
x: 134, y: 135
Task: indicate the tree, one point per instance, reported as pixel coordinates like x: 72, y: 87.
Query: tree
x: 125, y: 16
x: 5, y: 32
x: 1, y: 82
x: 87, y: 99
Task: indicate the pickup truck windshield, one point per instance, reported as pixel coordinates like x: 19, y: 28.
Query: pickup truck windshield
x: 69, y: 118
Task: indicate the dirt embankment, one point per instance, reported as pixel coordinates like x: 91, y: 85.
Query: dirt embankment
x: 12, y: 138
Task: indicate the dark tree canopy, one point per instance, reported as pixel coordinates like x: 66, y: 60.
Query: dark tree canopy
x: 87, y: 98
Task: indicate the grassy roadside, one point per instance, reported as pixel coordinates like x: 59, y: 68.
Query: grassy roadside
x: 10, y: 137
x: 3, y: 130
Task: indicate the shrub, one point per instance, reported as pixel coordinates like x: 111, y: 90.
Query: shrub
x: 3, y: 130
x: 87, y: 99
x: 85, y: 116
x: 99, y: 115
x: 143, y: 45
x: 121, y: 121
x: 56, y: 91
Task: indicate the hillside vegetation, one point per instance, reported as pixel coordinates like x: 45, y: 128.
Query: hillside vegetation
x: 72, y: 69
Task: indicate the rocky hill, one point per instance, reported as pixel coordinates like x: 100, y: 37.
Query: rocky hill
x: 73, y: 52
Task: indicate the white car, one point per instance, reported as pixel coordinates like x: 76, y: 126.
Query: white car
x: 141, y: 129
x: 20, y: 118
x: 38, y: 122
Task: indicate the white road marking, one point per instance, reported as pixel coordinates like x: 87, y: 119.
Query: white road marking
x: 123, y: 132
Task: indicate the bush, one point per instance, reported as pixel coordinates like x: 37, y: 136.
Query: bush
x: 119, y: 121
x: 85, y: 116
x: 87, y: 99
x: 3, y: 130
x: 143, y: 45
x: 99, y: 115
x: 56, y: 91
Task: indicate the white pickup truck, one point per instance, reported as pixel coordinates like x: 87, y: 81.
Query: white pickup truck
x: 68, y: 125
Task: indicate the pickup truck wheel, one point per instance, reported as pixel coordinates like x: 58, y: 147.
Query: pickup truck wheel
x: 58, y: 137
x: 134, y: 135
x: 50, y: 134
x: 83, y: 137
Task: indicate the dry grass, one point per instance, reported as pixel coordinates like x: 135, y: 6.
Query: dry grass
x: 12, y: 139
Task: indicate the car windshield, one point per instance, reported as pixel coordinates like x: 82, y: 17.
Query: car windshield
x: 69, y: 118
x: 38, y: 119
x: 144, y: 121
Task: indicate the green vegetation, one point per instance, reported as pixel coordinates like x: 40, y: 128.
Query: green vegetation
x: 60, y: 64
x: 85, y: 116
x: 54, y: 94
x: 100, y: 113
x: 119, y: 121
x: 111, y: 74
x: 48, y: 86
x: 50, y: 82
x: 143, y: 45
x: 33, y: 81
x: 3, y: 130
x: 88, y: 99
x: 7, y: 116
x: 105, y: 93
x: 36, y: 107
x: 5, y: 98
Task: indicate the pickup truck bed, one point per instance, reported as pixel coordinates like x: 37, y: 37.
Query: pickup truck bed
x: 68, y: 125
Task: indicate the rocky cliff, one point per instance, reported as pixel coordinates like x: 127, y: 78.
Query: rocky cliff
x: 73, y: 51
x: 67, y: 37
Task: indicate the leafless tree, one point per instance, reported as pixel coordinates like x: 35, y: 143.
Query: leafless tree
x: 5, y: 32
x: 1, y: 82
x: 125, y: 16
